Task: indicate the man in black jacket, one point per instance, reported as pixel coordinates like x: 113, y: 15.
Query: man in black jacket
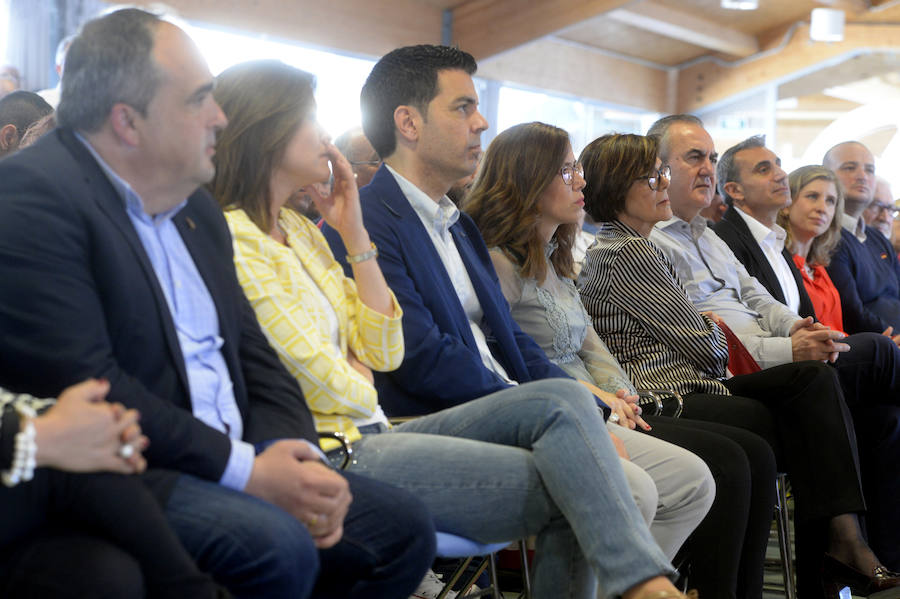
x: 113, y: 265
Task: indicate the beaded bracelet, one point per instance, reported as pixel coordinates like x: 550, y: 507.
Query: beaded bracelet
x: 25, y: 455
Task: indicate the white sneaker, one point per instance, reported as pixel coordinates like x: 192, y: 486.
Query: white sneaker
x: 430, y: 586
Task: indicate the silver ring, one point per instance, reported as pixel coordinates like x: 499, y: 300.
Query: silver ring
x: 126, y: 451
x: 614, y: 418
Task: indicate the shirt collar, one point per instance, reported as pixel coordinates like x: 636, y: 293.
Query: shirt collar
x: 774, y: 237
x: 857, y: 226
x: 694, y: 229
x: 133, y: 202
x: 441, y: 215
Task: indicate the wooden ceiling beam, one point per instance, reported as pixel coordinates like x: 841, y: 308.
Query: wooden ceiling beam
x: 675, y: 24
x: 708, y: 82
x: 485, y: 28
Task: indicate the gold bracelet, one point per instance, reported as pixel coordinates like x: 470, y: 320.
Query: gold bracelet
x: 367, y: 255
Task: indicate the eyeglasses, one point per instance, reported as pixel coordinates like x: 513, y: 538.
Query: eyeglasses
x: 568, y: 172
x: 656, y: 182
x: 879, y: 207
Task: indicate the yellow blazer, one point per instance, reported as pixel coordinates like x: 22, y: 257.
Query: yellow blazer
x: 279, y: 281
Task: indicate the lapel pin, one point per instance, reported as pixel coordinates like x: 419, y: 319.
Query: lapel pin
x: 190, y: 223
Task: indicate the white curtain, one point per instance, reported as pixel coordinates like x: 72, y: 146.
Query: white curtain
x: 36, y: 27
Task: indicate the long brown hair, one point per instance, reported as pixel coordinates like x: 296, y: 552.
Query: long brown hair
x: 265, y: 101
x: 518, y: 167
x: 822, y: 247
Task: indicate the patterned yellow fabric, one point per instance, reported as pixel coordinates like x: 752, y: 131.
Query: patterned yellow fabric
x: 279, y: 281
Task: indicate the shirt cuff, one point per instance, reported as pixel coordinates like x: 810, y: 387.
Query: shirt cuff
x: 317, y: 449
x: 240, y: 465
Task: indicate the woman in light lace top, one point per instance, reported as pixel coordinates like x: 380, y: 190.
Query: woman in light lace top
x: 526, y: 202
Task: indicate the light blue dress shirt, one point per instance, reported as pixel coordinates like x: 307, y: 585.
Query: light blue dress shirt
x: 196, y: 323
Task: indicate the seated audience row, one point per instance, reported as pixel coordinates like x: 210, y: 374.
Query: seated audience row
x: 756, y: 188
x: 332, y: 332
x: 179, y: 341
x: 527, y: 204
x: 139, y: 287
x: 131, y: 280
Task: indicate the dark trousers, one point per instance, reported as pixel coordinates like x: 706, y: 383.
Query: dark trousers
x: 91, y: 536
x: 729, y: 546
x: 870, y: 377
x: 811, y: 430
x: 259, y: 550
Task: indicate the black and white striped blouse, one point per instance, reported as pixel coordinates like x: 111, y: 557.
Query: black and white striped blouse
x: 639, y: 308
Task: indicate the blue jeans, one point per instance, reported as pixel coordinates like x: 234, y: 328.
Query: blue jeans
x: 256, y: 549
x: 535, y: 459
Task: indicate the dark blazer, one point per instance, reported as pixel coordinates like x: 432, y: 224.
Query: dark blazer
x: 442, y: 366
x: 736, y: 234
x: 79, y: 298
x: 867, y: 276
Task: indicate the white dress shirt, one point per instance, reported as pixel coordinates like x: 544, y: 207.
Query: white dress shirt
x: 857, y: 226
x: 771, y: 242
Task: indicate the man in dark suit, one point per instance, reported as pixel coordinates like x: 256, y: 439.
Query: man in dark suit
x: 131, y: 279
x: 753, y: 183
x: 749, y: 229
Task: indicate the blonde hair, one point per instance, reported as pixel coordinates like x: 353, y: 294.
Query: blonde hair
x: 823, y: 246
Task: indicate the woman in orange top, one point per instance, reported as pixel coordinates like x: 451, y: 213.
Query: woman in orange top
x: 813, y: 234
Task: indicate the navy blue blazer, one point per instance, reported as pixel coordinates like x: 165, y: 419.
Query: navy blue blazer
x: 736, y: 234
x: 867, y: 277
x: 79, y: 298
x: 442, y: 366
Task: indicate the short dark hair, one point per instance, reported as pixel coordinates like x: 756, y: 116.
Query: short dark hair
x: 611, y: 164
x: 727, y: 170
x: 265, y: 101
x: 109, y: 61
x: 660, y: 130
x: 22, y: 109
x: 405, y: 76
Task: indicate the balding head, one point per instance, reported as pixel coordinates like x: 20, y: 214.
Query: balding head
x: 855, y: 167
x: 355, y: 147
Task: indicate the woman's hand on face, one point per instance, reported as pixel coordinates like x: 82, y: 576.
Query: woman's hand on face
x: 84, y: 433
x: 340, y: 208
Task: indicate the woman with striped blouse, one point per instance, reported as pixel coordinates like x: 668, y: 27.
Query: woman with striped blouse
x: 639, y: 308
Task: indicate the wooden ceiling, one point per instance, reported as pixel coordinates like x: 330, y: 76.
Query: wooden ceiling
x: 656, y: 55
x: 662, y: 32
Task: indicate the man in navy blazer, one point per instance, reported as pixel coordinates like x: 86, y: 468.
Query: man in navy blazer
x: 113, y: 265
x: 864, y: 267
x: 448, y: 361
x: 443, y: 365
